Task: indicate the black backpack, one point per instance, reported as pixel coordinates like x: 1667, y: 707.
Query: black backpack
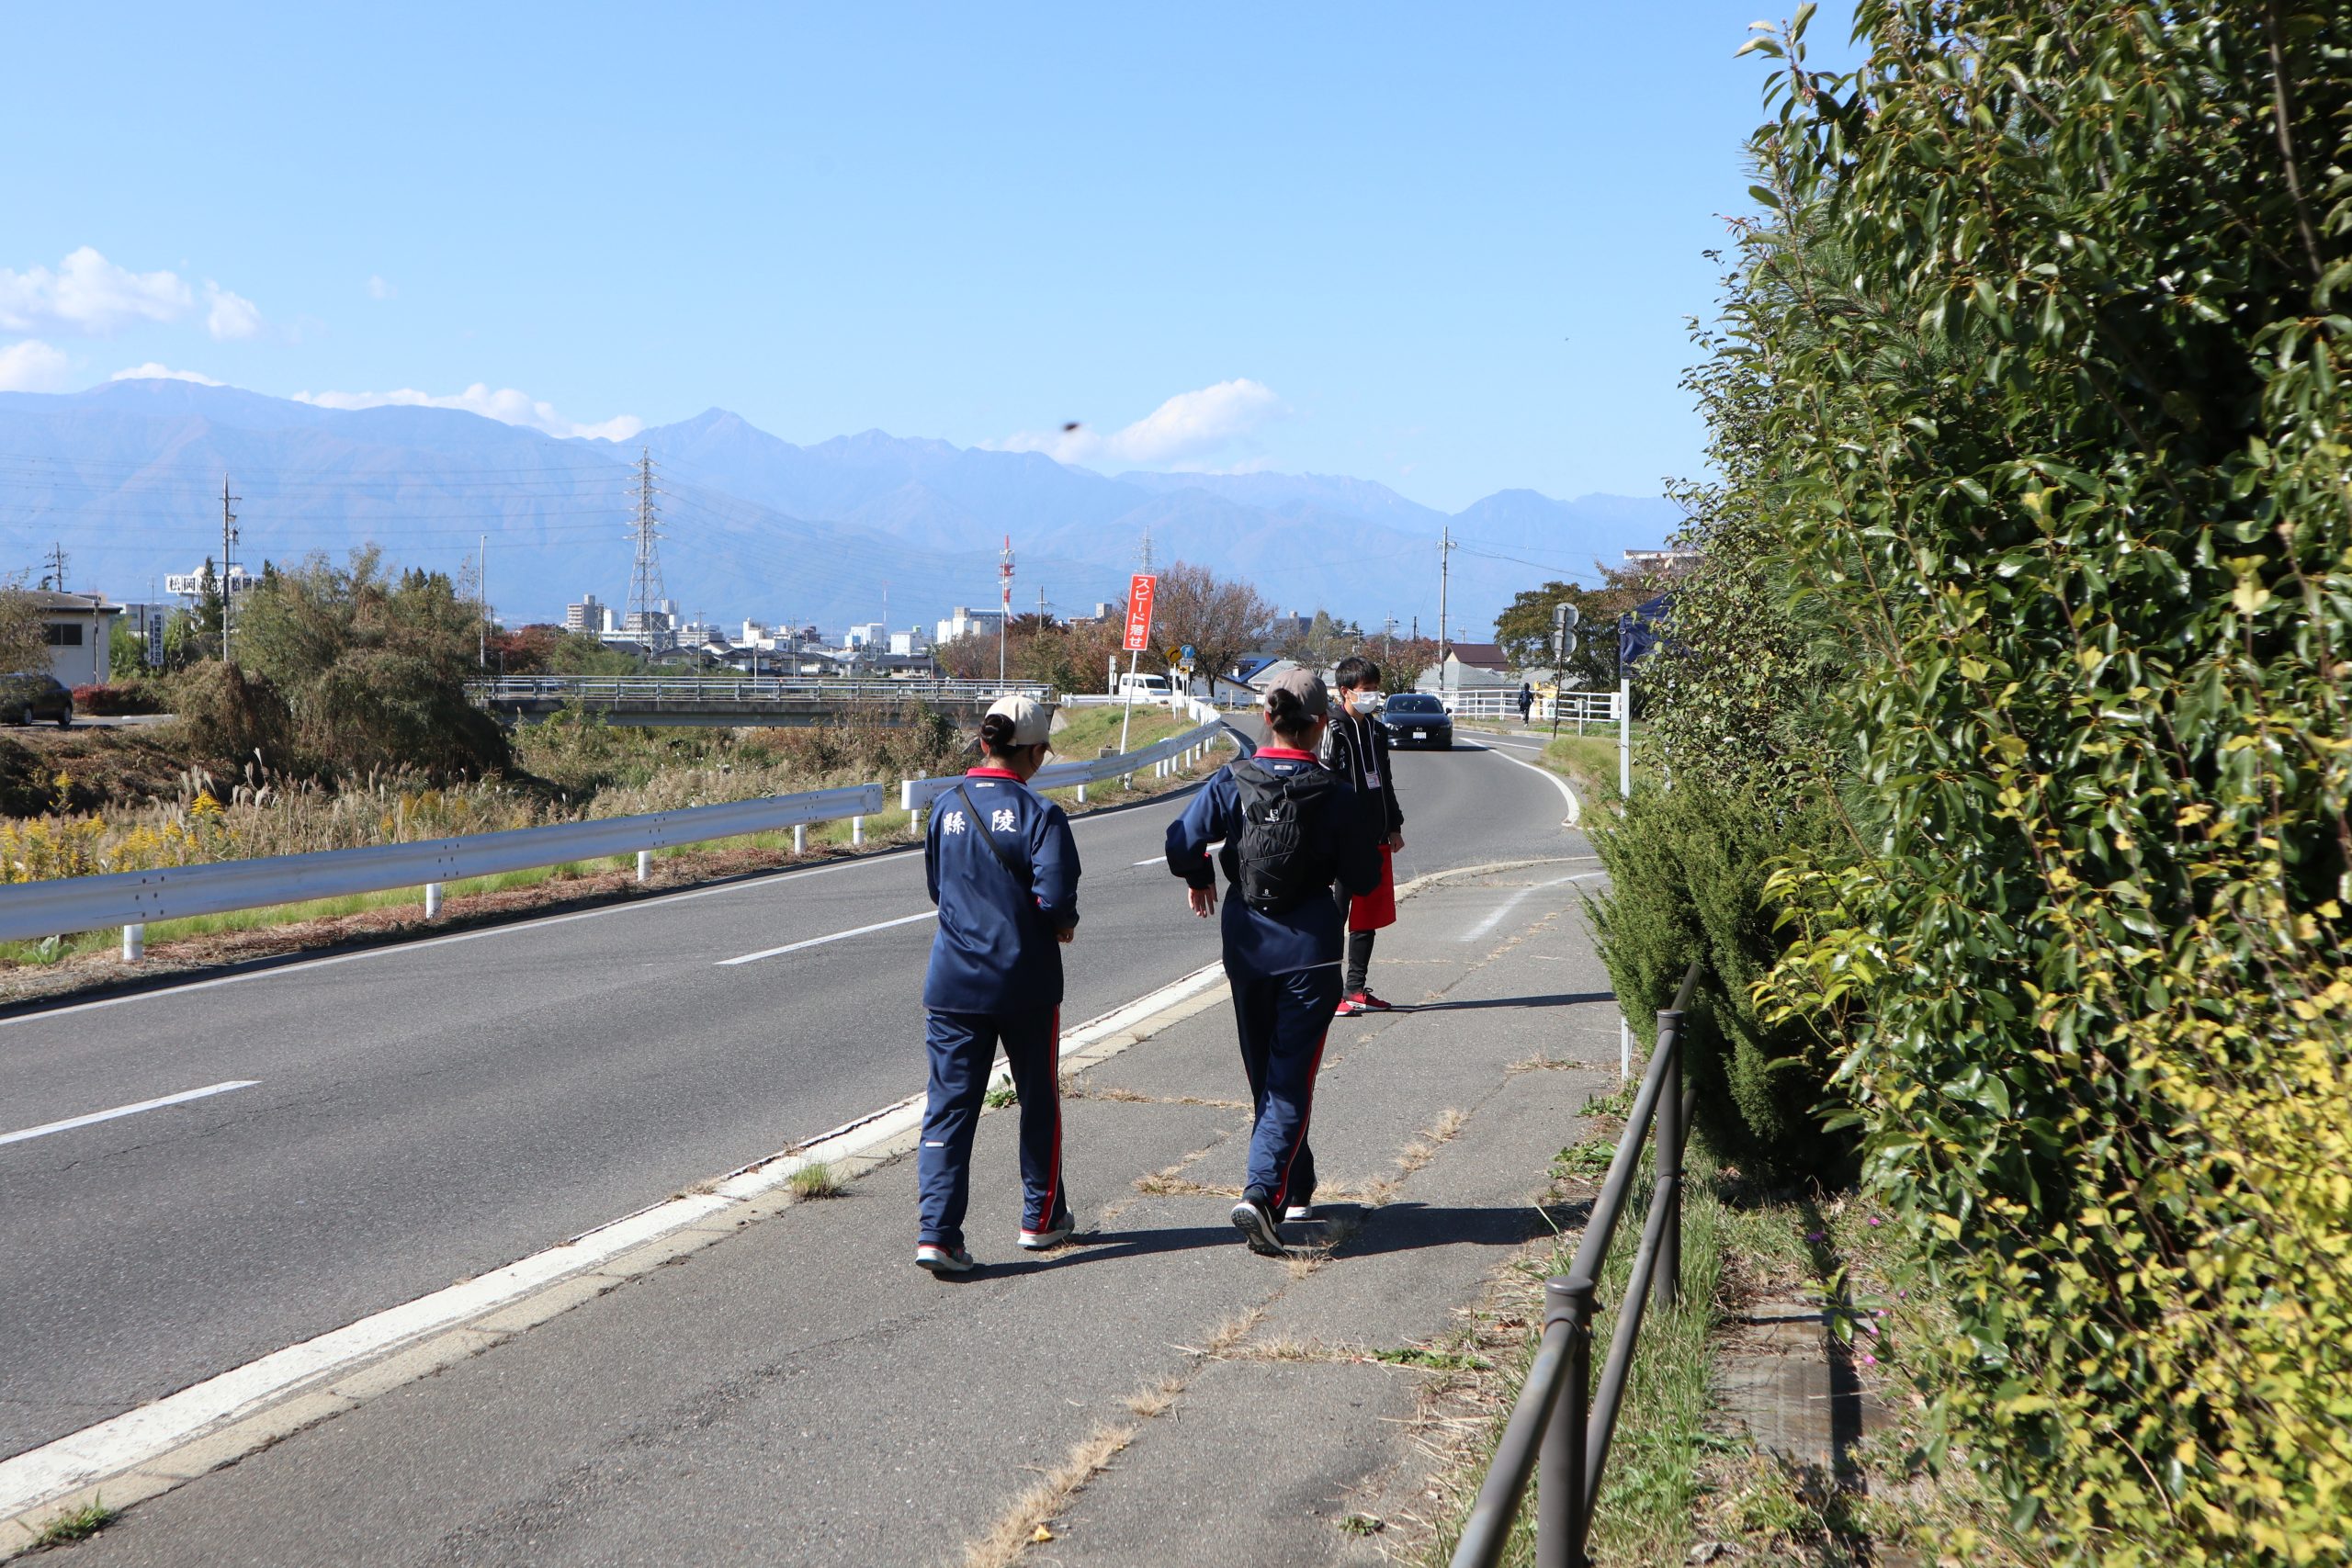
x: 1280, y: 861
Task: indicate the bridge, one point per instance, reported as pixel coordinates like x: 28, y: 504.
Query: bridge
x: 734, y: 703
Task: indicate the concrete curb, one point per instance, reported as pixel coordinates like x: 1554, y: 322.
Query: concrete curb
x: 158, y: 1447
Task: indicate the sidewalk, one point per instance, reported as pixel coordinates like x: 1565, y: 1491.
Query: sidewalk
x: 798, y: 1393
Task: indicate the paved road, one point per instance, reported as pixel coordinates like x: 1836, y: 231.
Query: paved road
x: 419, y: 1115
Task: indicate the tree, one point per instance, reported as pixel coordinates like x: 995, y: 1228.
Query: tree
x: 24, y: 626
x: 1524, y: 631
x: 1220, y: 619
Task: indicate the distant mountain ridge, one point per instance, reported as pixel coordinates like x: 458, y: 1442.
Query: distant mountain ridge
x: 127, y: 478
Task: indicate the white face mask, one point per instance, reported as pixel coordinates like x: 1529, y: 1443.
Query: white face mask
x: 1364, y: 701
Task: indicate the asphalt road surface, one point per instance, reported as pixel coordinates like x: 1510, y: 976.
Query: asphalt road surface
x: 414, y: 1115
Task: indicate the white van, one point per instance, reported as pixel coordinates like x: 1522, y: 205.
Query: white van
x: 1144, y: 689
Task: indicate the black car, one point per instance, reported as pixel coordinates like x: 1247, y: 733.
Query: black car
x: 30, y: 695
x: 1416, y: 718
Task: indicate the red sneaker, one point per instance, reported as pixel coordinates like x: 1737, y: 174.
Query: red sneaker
x: 1350, y: 1007
x: 1366, y: 1002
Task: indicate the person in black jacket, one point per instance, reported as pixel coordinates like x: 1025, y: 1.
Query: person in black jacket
x: 1356, y: 748
x: 1003, y: 867
x: 1289, y: 831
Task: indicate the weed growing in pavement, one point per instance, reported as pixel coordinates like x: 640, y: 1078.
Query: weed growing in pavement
x: 1361, y: 1524
x: 1584, y: 1161
x: 816, y: 1180
x: 1435, y: 1360
x: 999, y: 1097
x: 77, y: 1524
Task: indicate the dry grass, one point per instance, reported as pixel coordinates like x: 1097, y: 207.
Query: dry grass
x: 1155, y: 1400
x: 1030, y: 1518
x: 1082, y: 1090
x: 1166, y: 1184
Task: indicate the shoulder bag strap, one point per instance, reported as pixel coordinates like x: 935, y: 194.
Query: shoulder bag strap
x: 979, y: 826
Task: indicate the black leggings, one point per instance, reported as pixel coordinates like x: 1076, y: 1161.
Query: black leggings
x: 1359, y: 948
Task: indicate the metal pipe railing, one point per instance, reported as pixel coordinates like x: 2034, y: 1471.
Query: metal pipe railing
x: 1560, y: 1429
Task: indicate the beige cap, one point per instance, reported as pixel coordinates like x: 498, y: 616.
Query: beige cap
x: 1032, y: 721
x: 1307, y: 687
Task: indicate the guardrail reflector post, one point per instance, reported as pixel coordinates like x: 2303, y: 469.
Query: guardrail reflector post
x: 856, y: 830
x: 1081, y: 794
x: 134, y: 943
x: 644, y: 864
x: 800, y: 839
x: 431, y: 900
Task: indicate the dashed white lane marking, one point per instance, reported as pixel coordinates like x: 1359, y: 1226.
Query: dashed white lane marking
x: 1508, y: 905
x: 833, y: 936
x: 73, y: 1122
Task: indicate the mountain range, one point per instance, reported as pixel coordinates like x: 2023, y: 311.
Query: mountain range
x: 126, y: 478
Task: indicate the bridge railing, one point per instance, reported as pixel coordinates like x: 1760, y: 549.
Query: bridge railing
x: 1560, y: 1430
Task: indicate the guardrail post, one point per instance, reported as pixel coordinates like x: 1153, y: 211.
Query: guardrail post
x: 1081, y: 794
x: 856, y: 832
x: 1562, y: 1514
x: 1667, y: 1288
x: 134, y: 942
x: 644, y: 864
x: 800, y: 839
x: 431, y: 900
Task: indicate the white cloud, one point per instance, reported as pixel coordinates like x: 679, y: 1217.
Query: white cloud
x: 232, y: 316
x: 31, y: 366
x: 89, y: 294
x: 1184, y: 433
x: 151, y: 371
x: 379, y: 289
x: 507, y: 406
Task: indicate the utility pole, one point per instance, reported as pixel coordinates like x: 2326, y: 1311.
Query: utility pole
x: 228, y: 563
x: 1444, y: 579
x: 645, y: 577
x: 1004, y: 614
x: 55, y: 561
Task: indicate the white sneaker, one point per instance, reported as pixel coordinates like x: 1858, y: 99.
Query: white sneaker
x: 1052, y: 1235
x: 943, y: 1260
x: 1298, y: 1213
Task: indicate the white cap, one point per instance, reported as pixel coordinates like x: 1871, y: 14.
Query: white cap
x: 1032, y: 721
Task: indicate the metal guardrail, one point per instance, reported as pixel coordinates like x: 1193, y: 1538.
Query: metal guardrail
x: 657, y: 689
x: 917, y: 794
x: 133, y: 898
x: 1576, y: 707
x: 1551, y: 1426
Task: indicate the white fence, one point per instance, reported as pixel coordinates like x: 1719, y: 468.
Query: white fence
x: 1502, y: 701
x: 131, y: 899
x: 741, y: 689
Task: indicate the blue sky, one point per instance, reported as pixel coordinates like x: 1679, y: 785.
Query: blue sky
x: 1448, y: 248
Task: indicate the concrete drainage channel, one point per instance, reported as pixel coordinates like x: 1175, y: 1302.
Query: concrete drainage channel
x: 145, y: 1452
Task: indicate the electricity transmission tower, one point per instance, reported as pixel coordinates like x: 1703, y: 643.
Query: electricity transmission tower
x: 645, y: 578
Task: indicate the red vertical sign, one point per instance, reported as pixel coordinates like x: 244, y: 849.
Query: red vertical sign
x: 1139, y: 589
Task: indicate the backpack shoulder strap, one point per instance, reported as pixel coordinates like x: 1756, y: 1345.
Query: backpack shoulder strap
x: 979, y: 826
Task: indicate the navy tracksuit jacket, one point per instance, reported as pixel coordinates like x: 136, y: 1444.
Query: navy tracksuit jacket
x: 1285, y: 968
x: 995, y: 976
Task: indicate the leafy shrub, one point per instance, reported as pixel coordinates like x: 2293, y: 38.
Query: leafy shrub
x: 1687, y: 873
x: 2045, y: 324
x: 120, y: 697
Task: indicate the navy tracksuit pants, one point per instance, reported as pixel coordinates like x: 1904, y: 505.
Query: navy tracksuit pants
x: 963, y: 1049
x: 1281, y: 1019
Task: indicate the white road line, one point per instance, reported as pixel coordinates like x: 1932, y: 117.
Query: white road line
x: 39, y: 1476
x: 1508, y: 905
x: 1576, y: 806
x: 821, y: 940
x: 180, y: 1098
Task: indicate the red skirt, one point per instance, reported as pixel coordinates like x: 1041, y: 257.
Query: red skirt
x: 1370, y: 911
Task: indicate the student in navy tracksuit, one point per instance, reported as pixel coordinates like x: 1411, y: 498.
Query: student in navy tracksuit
x: 1284, y: 965
x: 1003, y: 871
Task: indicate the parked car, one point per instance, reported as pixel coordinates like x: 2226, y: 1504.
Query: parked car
x: 1416, y: 718
x: 1143, y: 688
x: 30, y: 695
